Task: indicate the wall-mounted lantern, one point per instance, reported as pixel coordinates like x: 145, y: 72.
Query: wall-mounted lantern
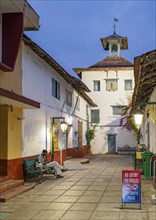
x: 138, y: 117
x: 63, y: 126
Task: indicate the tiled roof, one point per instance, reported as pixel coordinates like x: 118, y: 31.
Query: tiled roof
x: 112, y: 61
x: 145, y: 77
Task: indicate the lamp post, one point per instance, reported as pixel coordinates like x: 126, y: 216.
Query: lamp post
x: 63, y: 127
x: 138, y: 115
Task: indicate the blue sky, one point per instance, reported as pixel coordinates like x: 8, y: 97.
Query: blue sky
x: 71, y: 30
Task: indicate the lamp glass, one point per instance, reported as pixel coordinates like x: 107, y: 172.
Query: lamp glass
x: 63, y: 126
x: 138, y: 116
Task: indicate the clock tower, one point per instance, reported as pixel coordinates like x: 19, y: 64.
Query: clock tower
x: 111, y: 81
x: 114, y: 43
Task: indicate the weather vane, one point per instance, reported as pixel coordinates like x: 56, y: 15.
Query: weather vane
x: 115, y: 20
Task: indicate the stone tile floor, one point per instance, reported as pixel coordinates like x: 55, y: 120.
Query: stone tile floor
x: 93, y: 193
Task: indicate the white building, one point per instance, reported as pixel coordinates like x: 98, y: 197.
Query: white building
x: 111, y: 82
x: 45, y: 81
x: 145, y: 95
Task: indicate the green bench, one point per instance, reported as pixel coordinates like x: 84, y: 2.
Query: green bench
x: 34, y: 173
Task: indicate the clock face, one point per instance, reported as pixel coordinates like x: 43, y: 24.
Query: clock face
x: 111, y: 85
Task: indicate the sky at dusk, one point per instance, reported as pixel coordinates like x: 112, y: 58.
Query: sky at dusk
x: 70, y: 31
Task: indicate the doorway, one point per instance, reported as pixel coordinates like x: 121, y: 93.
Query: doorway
x: 112, y: 143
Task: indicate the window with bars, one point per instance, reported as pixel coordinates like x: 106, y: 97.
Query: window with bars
x: 55, y: 89
x: 117, y: 110
x: 95, y: 116
x: 69, y: 98
x: 128, y: 84
x: 96, y: 85
x: 78, y: 104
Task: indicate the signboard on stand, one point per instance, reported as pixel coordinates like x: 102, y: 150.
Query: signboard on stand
x: 131, y: 187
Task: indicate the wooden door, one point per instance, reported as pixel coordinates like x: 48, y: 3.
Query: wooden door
x: 80, y: 129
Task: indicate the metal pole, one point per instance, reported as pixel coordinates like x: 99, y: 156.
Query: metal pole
x: 52, y: 158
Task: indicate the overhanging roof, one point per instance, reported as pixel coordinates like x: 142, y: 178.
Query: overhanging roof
x: 10, y: 98
x: 108, y: 63
x: 31, y: 18
x: 76, y: 83
x: 145, y: 77
x: 112, y: 61
x: 122, y: 40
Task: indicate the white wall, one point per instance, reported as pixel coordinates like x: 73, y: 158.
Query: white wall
x: 151, y: 137
x: 105, y: 99
x: 37, y: 85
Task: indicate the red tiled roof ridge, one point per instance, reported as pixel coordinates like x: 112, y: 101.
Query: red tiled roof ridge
x: 112, y: 61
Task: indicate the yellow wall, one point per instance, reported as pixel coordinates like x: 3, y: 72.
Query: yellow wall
x: 10, y: 133
x: 12, y: 81
x: 3, y: 131
x: 15, y: 133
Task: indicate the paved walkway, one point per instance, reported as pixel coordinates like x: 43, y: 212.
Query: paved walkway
x: 93, y: 193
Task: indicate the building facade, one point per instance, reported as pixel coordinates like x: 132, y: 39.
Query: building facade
x: 111, y: 82
x: 15, y: 17
x: 36, y: 94
x: 145, y: 94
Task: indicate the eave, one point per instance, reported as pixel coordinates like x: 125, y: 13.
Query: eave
x: 11, y: 98
x: 31, y: 18
x: 76, y: 83
x: 145, y: 77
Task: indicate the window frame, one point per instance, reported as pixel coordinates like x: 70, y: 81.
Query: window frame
x: 69, y: 98
x: 126, y: 80
x: 115, y: 106
x: 78, y: 104
x: 96, y: 119
x: 55, y: 88
x: 99, y: 85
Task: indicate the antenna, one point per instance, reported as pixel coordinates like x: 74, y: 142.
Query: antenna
x: 115, y: 20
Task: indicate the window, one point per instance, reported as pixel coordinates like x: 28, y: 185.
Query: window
x: 111, y: 85
x: 87, y: 110
x: 96, y: 85
x: 95, y: 116
x: 69, y: 98
x: 128, y: 84
x: 55, y: 89
x: 78, y: 104
x: 117, y: 110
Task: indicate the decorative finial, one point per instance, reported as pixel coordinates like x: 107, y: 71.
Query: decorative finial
x: 115, y: 20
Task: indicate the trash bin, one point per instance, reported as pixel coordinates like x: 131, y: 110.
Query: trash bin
x: 146, y: 156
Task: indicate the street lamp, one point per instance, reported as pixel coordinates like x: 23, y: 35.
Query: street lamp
x: 63, y: 126
x: 138, y: 116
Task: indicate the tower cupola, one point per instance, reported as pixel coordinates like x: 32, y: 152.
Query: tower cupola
x: 114, y: 43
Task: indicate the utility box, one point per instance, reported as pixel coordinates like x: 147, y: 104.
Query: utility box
x: 138, y: 157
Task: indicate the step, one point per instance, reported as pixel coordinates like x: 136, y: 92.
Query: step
x: 69, y: 157
x: 16, y: 191
x: 10, y: 184
x: 3, y: 178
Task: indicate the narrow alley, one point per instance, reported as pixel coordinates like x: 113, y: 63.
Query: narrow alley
x: 94, y: 192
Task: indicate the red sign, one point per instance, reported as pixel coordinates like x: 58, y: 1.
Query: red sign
x: 131, y: 186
